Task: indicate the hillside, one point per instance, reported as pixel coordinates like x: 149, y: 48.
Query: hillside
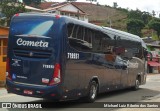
x: 98, y: 14
x: 101, y: 15
x: 109, y: 16
x: 104, y: 15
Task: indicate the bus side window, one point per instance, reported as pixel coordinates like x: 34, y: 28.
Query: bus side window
x: 79, y: 38
x: 102, y: 43
x: 70, y: 28
x: 89, y: 35
x: 97, y: 42
x: 130, y: 50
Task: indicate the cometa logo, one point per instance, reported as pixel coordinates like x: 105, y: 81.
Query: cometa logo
x: 22, y: 42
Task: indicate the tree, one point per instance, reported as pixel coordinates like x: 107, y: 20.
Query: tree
x: 92, y: 0
x: 146, y: 17
x: 35, y: 3
x: 155, y: 25
x: 153, y: 13
x: 135, y: 14
x: 8, y: 0
x: 10, y: 8
x: 115, y: 5
x: 135, y: 26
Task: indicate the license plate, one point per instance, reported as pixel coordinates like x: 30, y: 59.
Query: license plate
x: 28, y: 92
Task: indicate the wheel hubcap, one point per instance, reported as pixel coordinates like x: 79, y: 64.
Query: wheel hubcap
x: 93, y: 91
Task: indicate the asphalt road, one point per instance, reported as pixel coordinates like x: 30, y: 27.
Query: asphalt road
x: 150, y: 92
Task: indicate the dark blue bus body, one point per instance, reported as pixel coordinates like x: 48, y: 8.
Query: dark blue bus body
x: 45, y: 61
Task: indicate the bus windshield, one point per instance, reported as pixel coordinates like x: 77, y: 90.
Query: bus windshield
x: 32, y: 27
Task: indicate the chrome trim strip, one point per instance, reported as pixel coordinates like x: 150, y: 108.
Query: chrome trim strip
x: 30, y: 84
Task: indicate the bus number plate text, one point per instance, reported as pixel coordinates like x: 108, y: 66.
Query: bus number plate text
x: 28, y: 92
x: 73, y: 56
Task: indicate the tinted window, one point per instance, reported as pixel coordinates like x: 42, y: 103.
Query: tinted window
x: 32, y: 26
x: 80, y: 38
x: 102, y: 43
x: 88, y: 40
x: 127, y: 48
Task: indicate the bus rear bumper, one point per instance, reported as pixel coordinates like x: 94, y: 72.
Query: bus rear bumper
x: 48, y: 92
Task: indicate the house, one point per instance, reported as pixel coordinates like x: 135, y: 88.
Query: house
x: 32, y: 9
x: 3, y: 52
x: 64, y: 8
x: 94, y: 13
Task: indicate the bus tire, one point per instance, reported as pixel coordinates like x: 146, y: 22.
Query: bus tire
x: 137, y: 83
x: 92, y: 92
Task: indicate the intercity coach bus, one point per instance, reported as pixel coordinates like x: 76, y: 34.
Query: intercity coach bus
x: 61, y: 58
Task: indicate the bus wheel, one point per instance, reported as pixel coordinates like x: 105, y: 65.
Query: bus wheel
x: 92, y: 92
x: 137, y: 83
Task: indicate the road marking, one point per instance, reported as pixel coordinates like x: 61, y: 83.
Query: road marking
x: 8, y: 95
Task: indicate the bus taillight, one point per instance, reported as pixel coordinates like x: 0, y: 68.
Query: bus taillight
x: 8, y: 76
x: 56, y: 75
x: 17, y: 14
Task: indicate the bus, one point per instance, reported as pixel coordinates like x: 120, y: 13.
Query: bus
x: 60, y: 58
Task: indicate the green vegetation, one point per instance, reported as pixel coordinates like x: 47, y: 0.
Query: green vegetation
x: 139, y: 23
x: 136, y: 21
x: 34, y: 3
x: 135, y: 26
x: 155, y: 25
x: 10, y: 8
x: 133, y: 21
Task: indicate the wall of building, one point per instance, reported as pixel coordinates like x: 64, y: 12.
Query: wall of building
x: 70, y: 7
x: 3, y: 53
x: 4, y: 31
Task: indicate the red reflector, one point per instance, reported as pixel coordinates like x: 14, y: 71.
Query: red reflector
x: 17, y: 14
x: 52, y: 94
x: 57, y: 16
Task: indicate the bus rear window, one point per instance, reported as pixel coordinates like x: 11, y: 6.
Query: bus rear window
x: 32, y: 26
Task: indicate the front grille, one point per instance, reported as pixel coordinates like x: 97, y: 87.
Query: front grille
x: 32, y: 53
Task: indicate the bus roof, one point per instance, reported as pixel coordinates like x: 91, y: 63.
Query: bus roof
x: 122, y: 34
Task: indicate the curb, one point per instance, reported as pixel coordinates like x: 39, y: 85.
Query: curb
x: 153, y: 73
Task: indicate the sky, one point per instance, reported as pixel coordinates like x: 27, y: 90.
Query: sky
x: 143, y: 5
